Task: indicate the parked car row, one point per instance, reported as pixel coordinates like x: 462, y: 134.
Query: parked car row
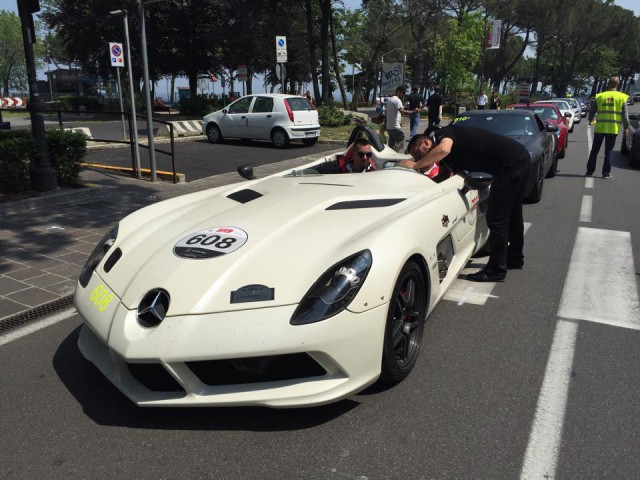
x: 631, y: 141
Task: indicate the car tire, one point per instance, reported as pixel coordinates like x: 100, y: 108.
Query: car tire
x: 634, y: 158
x: 405, y: 324
x: 564, y: 148
x: 279, y: 138
x: 624, y: 150
x: 554, y: 167
x: 571, y: 129
x: 310, y: 141
x: 535, y: 195
x: 214, y: 134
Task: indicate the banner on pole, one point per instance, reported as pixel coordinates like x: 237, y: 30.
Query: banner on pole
x: 493, y: 35
x: 392, y: 77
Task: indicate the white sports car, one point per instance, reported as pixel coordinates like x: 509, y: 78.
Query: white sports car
x: 296, y: 289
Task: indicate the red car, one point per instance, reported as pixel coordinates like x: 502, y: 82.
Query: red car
x: 550, y: 114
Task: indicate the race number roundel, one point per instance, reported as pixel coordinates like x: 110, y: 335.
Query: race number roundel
x: 210, y: 243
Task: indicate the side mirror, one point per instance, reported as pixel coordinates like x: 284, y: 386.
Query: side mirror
x: 551, y: 128
x: 476, y: 181
x: 246, y: 172
x: 224, y: 110
x: 568, y: 114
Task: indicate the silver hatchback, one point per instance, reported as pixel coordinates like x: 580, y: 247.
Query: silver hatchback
x: 276, y: 117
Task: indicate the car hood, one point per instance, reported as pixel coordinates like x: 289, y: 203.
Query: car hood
x: 292, y: 229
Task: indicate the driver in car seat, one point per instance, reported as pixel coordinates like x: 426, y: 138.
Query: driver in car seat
x: 358, y: 158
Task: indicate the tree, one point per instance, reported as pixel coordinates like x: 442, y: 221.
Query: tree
x: 13, y: 69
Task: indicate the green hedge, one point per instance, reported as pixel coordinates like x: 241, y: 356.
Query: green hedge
x: 333, y: 116
x: 19, y: 152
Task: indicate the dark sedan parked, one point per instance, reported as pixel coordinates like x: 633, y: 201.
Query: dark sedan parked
x: 525, y: 127
x: 631, y: 141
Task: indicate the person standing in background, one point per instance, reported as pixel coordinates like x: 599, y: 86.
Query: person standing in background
x: 495, y: 101
x: 435, y: 104
x: 393, y: 112
x: 609, y: 108
x: 415, y: 102
x: 482, y: 101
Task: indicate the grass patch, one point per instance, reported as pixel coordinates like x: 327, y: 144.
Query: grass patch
x: 336, y: 133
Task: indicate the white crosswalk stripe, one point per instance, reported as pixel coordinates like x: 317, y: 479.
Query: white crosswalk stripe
x: 463, y: 291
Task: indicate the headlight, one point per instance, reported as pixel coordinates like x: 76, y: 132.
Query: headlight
x: 97, y: 255
x: 334, y: 290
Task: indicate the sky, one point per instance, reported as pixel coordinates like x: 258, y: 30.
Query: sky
x: 161, y: 88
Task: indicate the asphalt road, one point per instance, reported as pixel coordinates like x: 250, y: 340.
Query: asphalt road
x: 471, y: 409
x: 200, y: 159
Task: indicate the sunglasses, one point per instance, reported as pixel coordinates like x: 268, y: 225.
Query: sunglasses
x: 365, y: 154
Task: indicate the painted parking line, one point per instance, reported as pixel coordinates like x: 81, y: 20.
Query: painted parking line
x: 600, y: 287
x: 34, y: 327
x: 586, y: 208
x: 463, y: 291
x: 541, y: 456
x: 601, y: 282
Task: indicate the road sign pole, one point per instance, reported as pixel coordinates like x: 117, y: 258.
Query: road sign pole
x: 124, y: 128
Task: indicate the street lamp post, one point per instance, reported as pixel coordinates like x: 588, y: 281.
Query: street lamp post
x: 136, y: 151
x: 145, y: 71
x: 43, y: 175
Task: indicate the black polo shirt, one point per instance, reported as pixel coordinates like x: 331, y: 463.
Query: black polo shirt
x: 479, y: 150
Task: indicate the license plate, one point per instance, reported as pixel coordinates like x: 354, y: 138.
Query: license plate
x: 311, y: 134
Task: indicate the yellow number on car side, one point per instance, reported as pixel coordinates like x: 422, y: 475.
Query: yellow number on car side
x: 101, y: 297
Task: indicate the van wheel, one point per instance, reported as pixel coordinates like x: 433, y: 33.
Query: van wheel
x: 279, y: 138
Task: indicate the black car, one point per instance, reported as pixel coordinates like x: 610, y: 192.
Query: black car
x: 631, y: 141
x: 525, y: 127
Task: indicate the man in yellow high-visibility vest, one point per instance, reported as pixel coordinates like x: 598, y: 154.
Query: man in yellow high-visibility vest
x: 607, y: 111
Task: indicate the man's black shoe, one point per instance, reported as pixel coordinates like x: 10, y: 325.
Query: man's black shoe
x: 487, y: 274
x: 588, y: 174
x: 515, y: 264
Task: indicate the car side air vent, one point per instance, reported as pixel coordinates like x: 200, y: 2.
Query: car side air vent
x: 113, y: 258
x: 356, y: 204
x: 244, y: 196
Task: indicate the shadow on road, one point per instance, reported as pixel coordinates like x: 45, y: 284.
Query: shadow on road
x: 105, y: 405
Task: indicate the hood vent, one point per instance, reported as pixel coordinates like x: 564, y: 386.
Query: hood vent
x: 356, y: 204
x: 244, y: 196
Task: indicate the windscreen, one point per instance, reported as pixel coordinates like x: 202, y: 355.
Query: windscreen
x: 503, y: 124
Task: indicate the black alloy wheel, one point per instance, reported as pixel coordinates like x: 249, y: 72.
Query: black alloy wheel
x: 405, y: 324
x: 535, y: 195
x: 554, y: 166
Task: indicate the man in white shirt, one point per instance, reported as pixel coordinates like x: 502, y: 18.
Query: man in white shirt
x: 482, y: 101
x: 394, y: 110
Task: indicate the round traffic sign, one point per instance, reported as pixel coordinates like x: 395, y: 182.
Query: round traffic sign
x: 116, y: 50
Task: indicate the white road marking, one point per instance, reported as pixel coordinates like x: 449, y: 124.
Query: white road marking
x: 601, y: 282
x: 586, y: 208
x: 588, y: 182
x: 463, y: 291
x: 541, y: 457
x: 34, y: 327
x: 589, y: 138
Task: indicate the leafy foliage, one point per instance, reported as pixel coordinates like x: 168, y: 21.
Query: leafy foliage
x: 332, y: 116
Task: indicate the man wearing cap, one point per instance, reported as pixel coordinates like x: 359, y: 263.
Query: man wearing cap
x: 474, y: 149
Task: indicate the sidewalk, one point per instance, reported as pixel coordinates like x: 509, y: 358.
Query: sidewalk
x: 45, y: 241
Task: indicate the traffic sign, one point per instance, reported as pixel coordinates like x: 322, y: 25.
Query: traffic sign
x: 13, y: 102
x: 242, y: 73
x: 116, y: 55
x: 281, y: 49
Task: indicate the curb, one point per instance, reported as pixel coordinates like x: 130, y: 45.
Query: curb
x: 22, y: 318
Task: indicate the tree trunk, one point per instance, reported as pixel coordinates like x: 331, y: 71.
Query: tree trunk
x: 173, y: 87
x: 336, y: 67
x: 312, y: 53
x: 325, y: 7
